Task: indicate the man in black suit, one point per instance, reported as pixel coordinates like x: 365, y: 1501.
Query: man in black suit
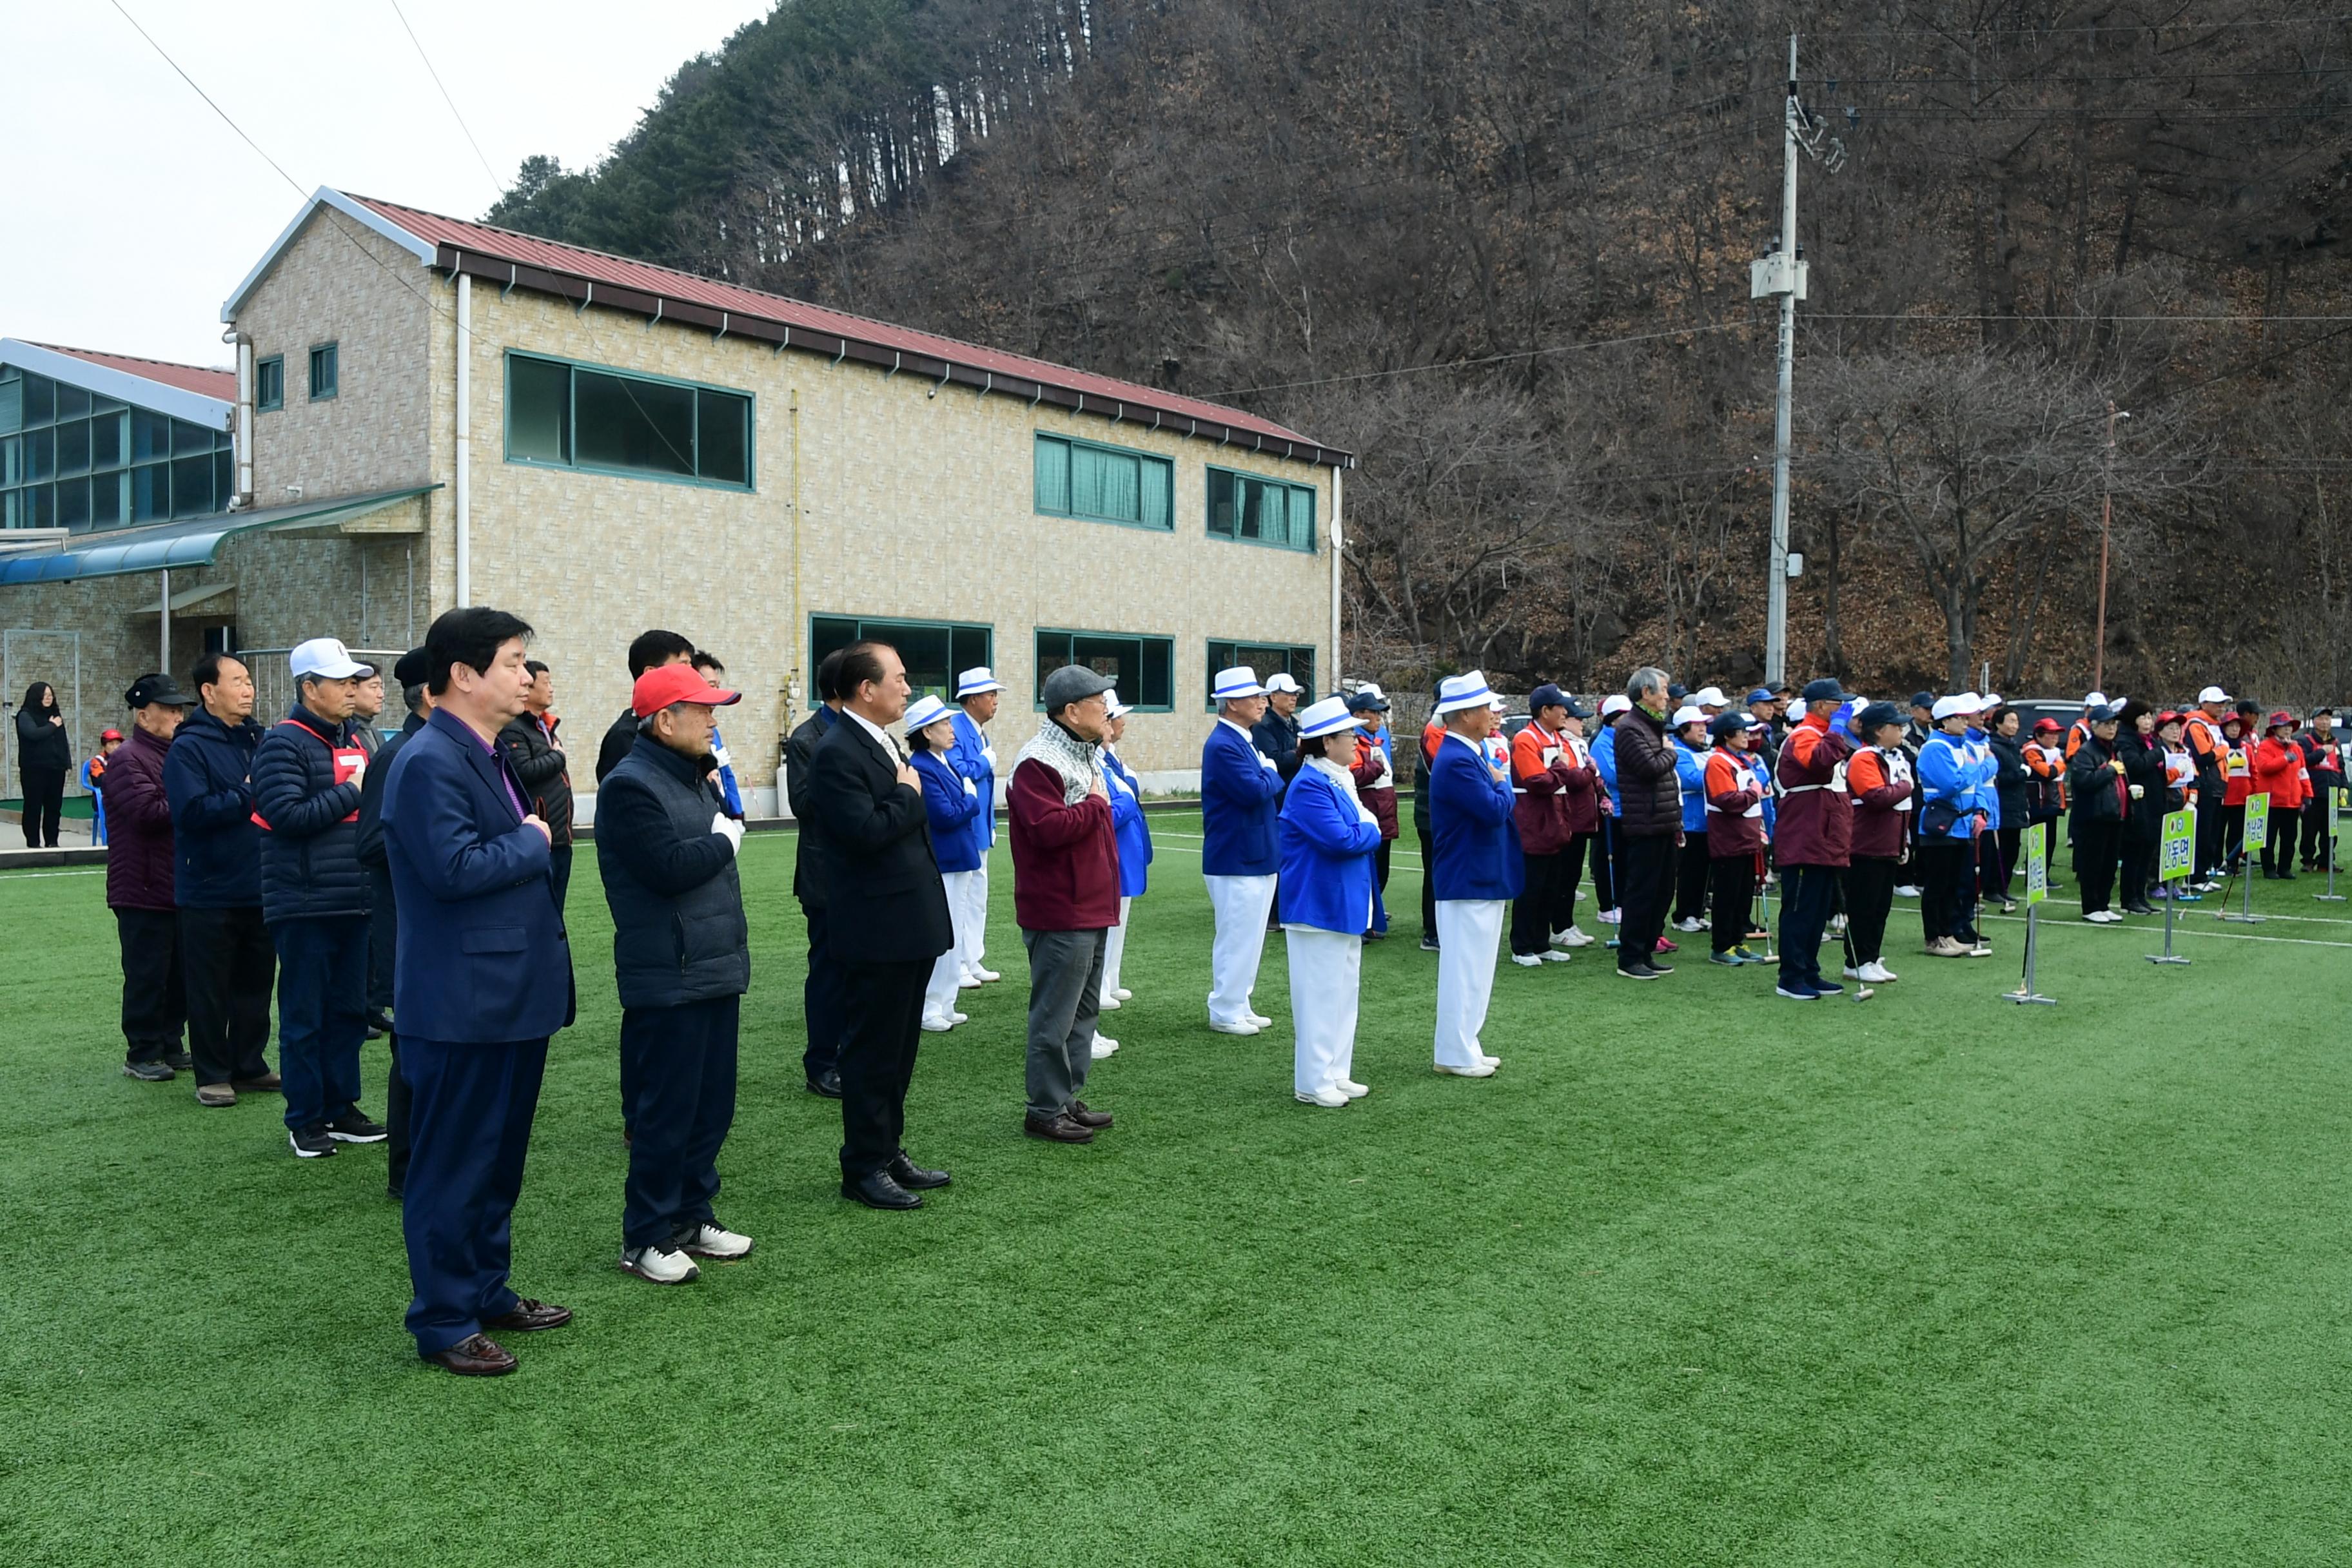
x: 821, y: 994
x: 886, y: 913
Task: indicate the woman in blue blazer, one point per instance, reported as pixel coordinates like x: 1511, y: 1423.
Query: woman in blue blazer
x: 952, y: 802
x: 1134, y: 859
x: 1329, y: 840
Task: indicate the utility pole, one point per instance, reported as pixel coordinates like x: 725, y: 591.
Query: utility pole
x: 2106, y: 514
x: 1780, y: 273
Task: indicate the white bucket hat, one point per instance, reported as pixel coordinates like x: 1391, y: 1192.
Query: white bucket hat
x: 927, y: 711
x: 1466, y: 690
x: 1240, y: 680
x: 1327, y: 716
x: 978, y: 679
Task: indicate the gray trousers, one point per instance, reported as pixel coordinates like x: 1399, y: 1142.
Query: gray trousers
x: 1065, y: 998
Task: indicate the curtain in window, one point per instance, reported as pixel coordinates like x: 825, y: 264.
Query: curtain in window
x: 1053, y: 476
x: 1105, y: 484
x: 1158, y: 486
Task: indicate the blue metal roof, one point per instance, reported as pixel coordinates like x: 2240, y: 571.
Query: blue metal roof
x: 119, y: 551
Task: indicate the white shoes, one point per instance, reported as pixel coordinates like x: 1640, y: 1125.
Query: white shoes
x: 1328, y: 1098
x: 1103, y: 1046
x: 1124, y: 995
x: 1351, y: 1087
x: 711, y: 1240
x: 1877, y: 974
x: 1851, y: 973
x: 1692, y: 923
x: 934, y: 1026
x: 984, y: 975
x: 968, y: 981
x: 661, y: 1265
x: 1610, y: 917
x: 1526, y: 960
x: 1906, y: 892
x: 1242, y: 1028
x: 1106, y: 1003
x: 1490, y: 1061
x: 2104, y: 918
x: 1483, y: 1070
x: 1571, y: 937
x: 1554, y: 955
x: 1261, y: 1020
x: 1837, y: 925
x: 959, y: 1017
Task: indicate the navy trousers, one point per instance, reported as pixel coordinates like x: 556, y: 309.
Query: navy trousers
x: 823, y: 998
x: 471, y: 1108
x: 1807, y: 892
x: 677, y: 1085
x: 322, y: 966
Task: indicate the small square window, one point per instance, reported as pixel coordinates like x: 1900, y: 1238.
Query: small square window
x: 325, y: 375
x: 269, y: 383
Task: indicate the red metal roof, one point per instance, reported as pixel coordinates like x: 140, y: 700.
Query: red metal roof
x: 468, y: 245
x: 195, y: 378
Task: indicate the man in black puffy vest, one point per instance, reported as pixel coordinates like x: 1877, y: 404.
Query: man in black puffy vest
x: 307, y: 775
x: 681, y: 950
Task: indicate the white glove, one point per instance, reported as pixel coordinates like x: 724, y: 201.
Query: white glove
x: 1265, y: 762
x: 970, y: 788
x: 1364, y: 815
x: 720, y: 756
x: 729, y: 829
x: 989, y: 753
x: 359, y: 773
x: 2138, y: 791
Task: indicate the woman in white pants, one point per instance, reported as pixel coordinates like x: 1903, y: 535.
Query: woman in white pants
x: 1329, y: 840
x: 952, y: 802
x: 1134, y: 859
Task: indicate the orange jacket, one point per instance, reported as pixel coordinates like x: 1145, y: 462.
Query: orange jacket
x: 2278, y: 772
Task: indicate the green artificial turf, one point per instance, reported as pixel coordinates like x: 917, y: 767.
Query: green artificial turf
x: 1702, y: 1277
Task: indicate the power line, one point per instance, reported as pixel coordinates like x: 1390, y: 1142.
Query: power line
x: 496, y: 185
x: 1486, y: 360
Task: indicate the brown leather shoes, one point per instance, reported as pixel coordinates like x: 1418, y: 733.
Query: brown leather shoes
x: 476, y: 1355
x: 1054, y: 1128
x: 266, y: 1083
x: 1085, y: 1117
x: 528, y: 1317
x: 215, y: 1095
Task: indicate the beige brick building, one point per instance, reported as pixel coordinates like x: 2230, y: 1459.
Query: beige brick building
x: 430, y: 412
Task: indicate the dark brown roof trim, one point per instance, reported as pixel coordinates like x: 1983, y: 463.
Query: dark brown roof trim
x: 584, y: 292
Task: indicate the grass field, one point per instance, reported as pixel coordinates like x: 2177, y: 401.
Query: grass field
x: 1702, y: 1277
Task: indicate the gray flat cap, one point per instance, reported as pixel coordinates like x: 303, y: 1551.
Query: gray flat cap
x: 1072, y: 683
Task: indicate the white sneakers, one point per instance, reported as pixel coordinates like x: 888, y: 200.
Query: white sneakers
x: 984, y: 975
x: 1124, y: 995
x: 711, y: 1240
x: 1242, y: 1028
x: 1106, y: 1003
x: 935, y: 1025
x: 1554, y: 955
x: 1351, y: 1087
x: 1328, y: 1098
x: 1906, y: 892
x: 2104, y: 918
x: 1103, y: 1046
x: 1690, y: 923
x: 1483, y: 1070
x: 1526, y: 960
x: 1572, y: 937
x: 661, y: 1265
x: 968, y: 981
x: 1877, y: 974
x: 1609, y: 918
x: 1261, y: 1020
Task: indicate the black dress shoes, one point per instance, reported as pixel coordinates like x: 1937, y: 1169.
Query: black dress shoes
x: 827, y: 1083
x: 1085, y: 1117
x: 879, y: 1190
x: 476, y: 1355
x: 528, y: 1317
x: 1056, y: 1129
x: 913, y: 1177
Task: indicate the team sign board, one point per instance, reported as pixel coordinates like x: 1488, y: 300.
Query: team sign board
x: 2258, y: 823
x: 2037, y: 864
x: 2178, y: 854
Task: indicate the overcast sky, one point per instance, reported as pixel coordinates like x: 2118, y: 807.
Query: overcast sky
x: 133, y: 211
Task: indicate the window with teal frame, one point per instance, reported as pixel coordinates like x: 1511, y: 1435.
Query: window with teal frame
x: 933, y: 651
x: 326, y: 371
x: 561, y: 415
x: 1259, y: 510
x: 1267, y: 659
x: 73, y: 458
x: 269, y: 383
x: 1105, y: 484
x: 1142, y: 667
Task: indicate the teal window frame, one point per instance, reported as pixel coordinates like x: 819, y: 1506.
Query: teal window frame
x: 332, y: 356
x: 1297, y: 660
x: 269, y: 383
x: 1048, y: 447
x: 1068, y: 635
x: 880, y: 628
x: 1233, y: 534
x: 75, y: 458
x: 748, y: 485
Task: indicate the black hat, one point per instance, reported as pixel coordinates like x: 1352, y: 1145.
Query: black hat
x: 1677, y: 692
x: 1578, y: 711
x: 1546, y: 696
x: 156, y: 688
x: 409, y: 669
x: 1875, y: 716
x: 1726, y: 724
x: 1825, y: 691
x: 1923, y: 700
x: 1367, y: 700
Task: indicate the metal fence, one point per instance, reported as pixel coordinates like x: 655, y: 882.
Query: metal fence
x: 273, y: 680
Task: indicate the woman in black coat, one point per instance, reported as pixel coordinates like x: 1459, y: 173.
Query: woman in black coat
x: 44, y: 757
x: 2010, y: 779
x: 2142, y: 755
x: 2096, y: 787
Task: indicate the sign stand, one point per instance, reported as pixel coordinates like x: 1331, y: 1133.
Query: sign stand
x: 2257, y: 835
x: 2037, y: 889
x: 2176, y: 855
x: 2335, y: 842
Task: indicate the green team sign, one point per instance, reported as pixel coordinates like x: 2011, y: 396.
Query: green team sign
x: 2176, y: 856
x: 2037, y: 863
x: 2258, y: 823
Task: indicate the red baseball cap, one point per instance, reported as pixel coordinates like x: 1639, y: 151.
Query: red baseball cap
x: 657, y: 688
x: 109, y: 735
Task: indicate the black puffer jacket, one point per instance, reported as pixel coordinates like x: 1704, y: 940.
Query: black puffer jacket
x: 2010, y: 779
x: 1649, y: 791
x: 310, y: 833
x: 2092, y: 783
x: 545, y: 772
x: 678, y: 930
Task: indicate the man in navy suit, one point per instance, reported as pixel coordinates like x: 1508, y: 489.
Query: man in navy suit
x: 482, y: 978
x: 1241, y: 789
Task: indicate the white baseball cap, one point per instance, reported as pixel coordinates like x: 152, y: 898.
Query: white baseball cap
x: 1688, y: 714
x: 978, y: 679
x: 2094, y: 699
x: 1619, y: 704
x: 1710, y: 697
x: 1954, y: 705
x: 1240, y: 680
x: 2213, y: 694
x: 327, y: 658
x: 1280, y: 681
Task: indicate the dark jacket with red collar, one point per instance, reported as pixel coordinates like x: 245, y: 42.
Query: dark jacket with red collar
x: 1816, y: 817
x: 309, y: 823
x: 140, y: 861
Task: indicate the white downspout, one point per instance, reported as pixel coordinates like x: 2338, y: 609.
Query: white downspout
x: 241, y: 438
x: 464, y: 487
x: 1333, y: 683
x: 163, y: 634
